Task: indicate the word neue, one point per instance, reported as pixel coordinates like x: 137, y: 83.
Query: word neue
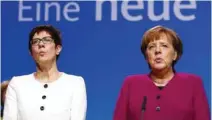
x: 129, y: 10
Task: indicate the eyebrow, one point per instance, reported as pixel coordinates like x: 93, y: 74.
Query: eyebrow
x: 163, y: 42
x: 43, y: 37
x: 153, y: 43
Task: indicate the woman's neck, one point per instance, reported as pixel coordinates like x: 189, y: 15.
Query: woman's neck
x: 161, y: 78
x: 47, y: 73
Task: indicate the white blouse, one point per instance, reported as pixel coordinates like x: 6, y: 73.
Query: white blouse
x: 29, y: 99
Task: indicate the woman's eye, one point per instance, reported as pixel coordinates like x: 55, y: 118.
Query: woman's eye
x: 150, y: 47
x: 164, y: 45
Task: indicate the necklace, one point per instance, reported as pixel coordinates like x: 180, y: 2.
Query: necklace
x: 161, y: 83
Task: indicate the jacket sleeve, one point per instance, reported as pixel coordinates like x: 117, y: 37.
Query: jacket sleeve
x: 10, y: 107
x: 121, y: 108
x: 201, y: 106
x: 79, y: 102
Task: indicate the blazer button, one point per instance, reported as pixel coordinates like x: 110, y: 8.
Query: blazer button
x: 157, y: 108
x: 158, y: 97
x: 42, y: 108
x: 45, y: 86
x: 43, y: 97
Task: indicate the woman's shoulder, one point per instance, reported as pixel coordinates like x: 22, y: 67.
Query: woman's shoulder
x: 136, y: 78
x: 184, y: 74
x: 77, y: 79
x: 20, y: 79
x: 188, y: 76
x: 23, y: 77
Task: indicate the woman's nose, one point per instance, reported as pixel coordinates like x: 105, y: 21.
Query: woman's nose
x: 41, y: 44
x: 157, y: 50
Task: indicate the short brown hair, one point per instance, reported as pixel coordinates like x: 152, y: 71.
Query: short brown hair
x: 55, y: 34
x: 157, y: 32
x: 4, y: 86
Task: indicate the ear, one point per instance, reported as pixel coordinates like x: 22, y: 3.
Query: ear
x: 58, y: 49
x: 175, y: 55
x: 146, y: 57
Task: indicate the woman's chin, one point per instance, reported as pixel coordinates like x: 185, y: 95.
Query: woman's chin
x: 43, y: 60
x: 159, y: 67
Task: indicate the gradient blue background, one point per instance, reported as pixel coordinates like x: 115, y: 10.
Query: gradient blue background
x: 105, y: 52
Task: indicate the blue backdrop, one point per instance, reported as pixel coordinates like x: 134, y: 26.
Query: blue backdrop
x: 101, y: 41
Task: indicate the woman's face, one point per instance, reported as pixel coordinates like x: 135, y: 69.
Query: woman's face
x: 160, y: 54
x: 44, y: 48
